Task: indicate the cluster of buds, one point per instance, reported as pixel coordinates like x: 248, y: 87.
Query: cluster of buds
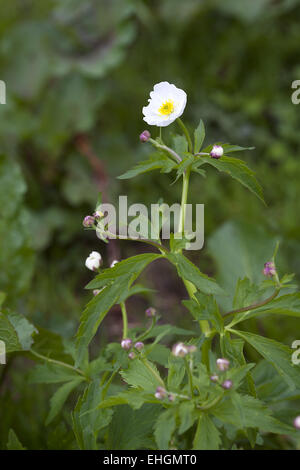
x: 217, y: 152
x: 150, y: 312
x: 222, y: 365
x: 127, y: 344
x: 161, y: 393
x: 269, y: 269
x: 181, y: 349
x: 88, y: 221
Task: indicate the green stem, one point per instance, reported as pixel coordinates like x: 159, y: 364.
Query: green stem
x: 185, y: 189
x: 187, y: 134
x: 253, y: 306
x: 125, y: 319
x: 205, y: 350
x: 190, y: 377
x: 59, y: 363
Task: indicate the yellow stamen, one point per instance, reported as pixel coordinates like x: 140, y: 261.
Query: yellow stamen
x: 167, y: 108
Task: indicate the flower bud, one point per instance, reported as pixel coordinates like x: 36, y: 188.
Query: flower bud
x: 160, y: 393
x: 297, y: 422
x: 180, y: 350
x: 222, y: 364
x: 96, y: 291
x: 88, y: 221
x: 94, y: 260
x: 145, y: 136
x: 214, y: 378
x: 113, y: 263
x: 150, y: 312
x: 227, y: 384
x: 269, y: 269
x: 139, y: 345
x: 171, y: 397
x: 98, y: 215
x: 192, y: 348
x: 131, y: 355
x: 217, y: 151
x: 126, y: 343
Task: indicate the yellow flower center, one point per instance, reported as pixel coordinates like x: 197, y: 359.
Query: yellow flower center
x: 167, y: 108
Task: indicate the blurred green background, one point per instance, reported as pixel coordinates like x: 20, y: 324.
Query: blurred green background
x: 77, y: 74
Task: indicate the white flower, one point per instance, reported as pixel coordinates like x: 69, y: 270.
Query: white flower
x: 166, y: 104
x: 93, y: 262
x: 180, y: 350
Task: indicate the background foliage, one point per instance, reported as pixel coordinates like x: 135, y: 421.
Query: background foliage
x: 77, y: 74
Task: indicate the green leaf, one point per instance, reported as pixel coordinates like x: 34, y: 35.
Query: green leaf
x: 277, y: 354
x: 158, y: 161
x: 140, y: 375
x: 15, y: 331
x: 288, y: 305
x: 13, y: 442
x: 164, y: 428
x: 189, y: 272
x: 51, y: 373
x: 245, y: 293
x: 130, y: 266
x: 207, y: 436
x: 199, y: 136
x: 87, y: 419
x: 254, y: 415
x: 205, y: 308
x: 238, y: 170
x: 180, y: 145
x: 116, y: 280
x: 176, y: 373
x: 59, y: 398
x: 132, y: 429
x: 187, y: 416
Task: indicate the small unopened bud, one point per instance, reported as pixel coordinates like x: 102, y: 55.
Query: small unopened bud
x: 131, y: 355
x: 192, y: 348
x: 98, y: 215
x: 214, y: 378
x: 269, y: 269
x: 227, y: 384
x: 113, y: 263
x: 217, y: 151
x: 88, y: 221
x: 126, y: 343
x: 150, y: 312
x: 93, y: 261
x: 139, y: 345
x: 297, y: 422
x: 160, y: 393
x: 180, y: 350
x: 223, y: 364
x: 145, y: 136
x: 96, y: 291
x: 171, y: 397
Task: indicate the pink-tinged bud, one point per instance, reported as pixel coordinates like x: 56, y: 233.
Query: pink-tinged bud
x: 180, y: 350
x: 160, y: 393
x: 88, y: 221
x: 192, y: 348
x: 98, y: 215
x: 227, y: 384
x: 222, y: 364
x: 214, y: 378
x: 139, y: 345
x: 217, y: 151
x: 269, y: 269
x: 96, y: 291
x: 297, y: 422
x: 126, y: 343
x: 171, y: 397
x: 150, y: 312
x: 131, y: 355
x: 113, y: 263
x: 145, y: 136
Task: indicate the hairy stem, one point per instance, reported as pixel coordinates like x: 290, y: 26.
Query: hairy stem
x: 187, y: 134
x: 59, y: 363
x: 253, y: 306
x: 125, y: 319
x: 190, y: 377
